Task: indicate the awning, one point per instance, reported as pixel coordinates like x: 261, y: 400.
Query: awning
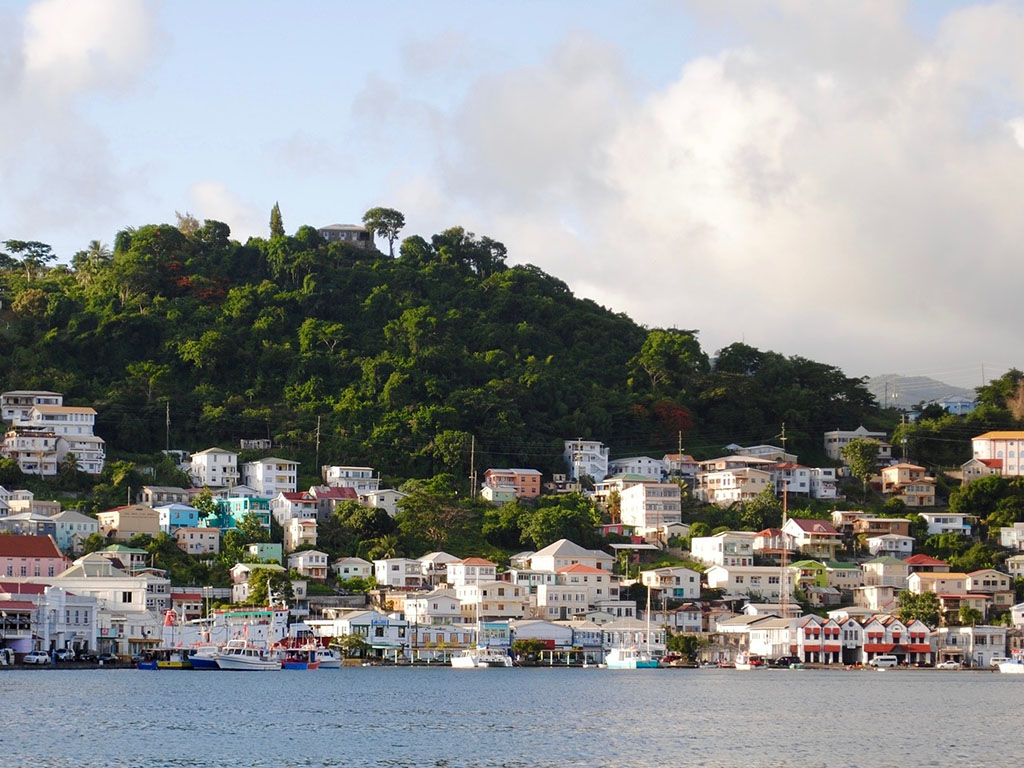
x: 833, y: 648
x: 879, y: 647
x: 918, y: 648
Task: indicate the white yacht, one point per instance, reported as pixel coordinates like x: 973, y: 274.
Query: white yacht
x: 246, y: 657
x: 477, y: 658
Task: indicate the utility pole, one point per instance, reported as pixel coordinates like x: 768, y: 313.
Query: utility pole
x: 784, y: 559
x: 168, y: 423
x: 317, y: 464
x: 782, y: 437
x: 472, y: 467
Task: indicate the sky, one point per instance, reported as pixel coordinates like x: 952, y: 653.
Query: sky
x: 833, y: 179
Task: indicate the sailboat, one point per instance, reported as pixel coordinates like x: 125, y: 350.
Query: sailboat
x: 633, y: 657
x: 482, y: 656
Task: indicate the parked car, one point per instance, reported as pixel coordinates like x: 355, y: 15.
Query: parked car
x: 65, y: 654
x: 36, y: 657
x: 87, y: 657
x: 884, y: 660
x: 997, y: 660
x: 785, y: 661
x: 107, y: 658
x: 948, y: 665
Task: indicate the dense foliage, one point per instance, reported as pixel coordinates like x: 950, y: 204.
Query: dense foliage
x: 399, y: 360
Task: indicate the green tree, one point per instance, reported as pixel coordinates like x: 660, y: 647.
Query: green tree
x: 970, y: 616
x: 386, y: 223
x: 33, y: 254
x: 205, y: 503
x: 925, y: 607
x: 278, y: 582
x: 276, y: 223
x: 528, y: 649
x: 762, y: 511
x: 671, y: 360
x: 862, y: 458
x: 352, y: 646
x: 687, y: 646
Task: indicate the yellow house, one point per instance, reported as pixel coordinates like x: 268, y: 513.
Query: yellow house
x: 122, y: 523
x: 910, y: 483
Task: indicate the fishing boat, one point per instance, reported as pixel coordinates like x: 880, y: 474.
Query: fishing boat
x: 175, y: 659
x: 300, y: 658
x: 245, y: 657
x: 748, y: 661
x: 328, y: 658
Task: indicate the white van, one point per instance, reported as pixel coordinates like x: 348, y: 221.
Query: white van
x: 884, y: 660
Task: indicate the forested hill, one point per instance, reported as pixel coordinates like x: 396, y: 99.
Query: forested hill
x: 398, y: 360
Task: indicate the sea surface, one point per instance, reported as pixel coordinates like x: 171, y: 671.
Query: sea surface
x: 509, y: 718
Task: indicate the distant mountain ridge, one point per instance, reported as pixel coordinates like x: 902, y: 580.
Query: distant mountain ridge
x: 911, y: 390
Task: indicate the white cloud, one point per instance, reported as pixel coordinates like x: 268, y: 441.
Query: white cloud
x: 72, y: 45
x: 835, y: 186
x: 211, y: 199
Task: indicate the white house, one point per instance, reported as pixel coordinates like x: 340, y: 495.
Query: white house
x: 838, y: 439
x: 729, y: 548
x: 384, y: 498
x: 823, y: 483
x: 649, y: 505
x: 310, y: 563
x: 194, y: 540
x: 891, y: 544
x: 727, y: 486
x: 298, y: 505
x: 398, y: 572
x: 215, y: 468
x: 439, y: 606
x: 352, y: 568
x: 271, y: 476
x: 946, y: 522
x: 743, y: 581
x: 586, y: 457
x: 299, y: 533
x: 16, y: 404
x: 472, y: 570
x: 597, y: 584
x: 675, y: 583
x: 1012, y: 536
x: 638, y: 465
x: 361, y: 479
x: 564, y: 553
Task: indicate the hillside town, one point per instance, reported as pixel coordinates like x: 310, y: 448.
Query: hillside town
x: 847, y: 588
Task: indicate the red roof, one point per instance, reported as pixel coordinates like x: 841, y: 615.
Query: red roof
x: 770, y: 532
x: 297, y: 496
x: 580, y: 568
x: 182, y: 596
x: 333, y: 492
x: 18, y: 588
x: 17, y: 605
x: 992, y: 463
x: 29, y: 546
x: 924, y: 560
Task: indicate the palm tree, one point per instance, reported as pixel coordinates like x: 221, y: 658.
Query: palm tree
x: 384, y: 547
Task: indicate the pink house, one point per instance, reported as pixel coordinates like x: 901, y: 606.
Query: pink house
x: 30, y: 556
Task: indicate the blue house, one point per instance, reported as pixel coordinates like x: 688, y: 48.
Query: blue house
x: 174, y: 516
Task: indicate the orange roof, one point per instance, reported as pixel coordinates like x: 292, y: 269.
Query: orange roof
x: 476, y: 561
x: 1001, y: 434
x: 924, y: 560
x: 580, y: 568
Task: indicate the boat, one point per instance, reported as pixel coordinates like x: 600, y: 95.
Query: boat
x: 632, y: 657
x: 629, y: 658
x: 146, y: 663
x: 300, y: 658
x: 1013, y: 667
x: 480, y: 658
x: 245, y: 657
x: 329, y: 658
x: 748, y: 661
x: 204, y: 657
x: 173, y: 660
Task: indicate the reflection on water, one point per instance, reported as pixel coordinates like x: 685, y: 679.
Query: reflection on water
x: 520, y: 718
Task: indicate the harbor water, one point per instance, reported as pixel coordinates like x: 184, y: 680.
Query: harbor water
x: 508, y: 718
